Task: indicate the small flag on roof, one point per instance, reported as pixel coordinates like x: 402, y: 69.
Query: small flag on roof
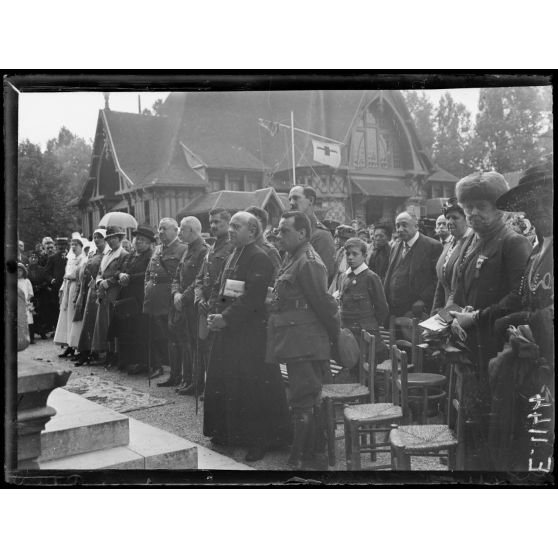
x: 327, y: 153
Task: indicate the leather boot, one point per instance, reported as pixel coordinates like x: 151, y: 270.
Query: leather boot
x: 303, y: 419
x: 175, y: 362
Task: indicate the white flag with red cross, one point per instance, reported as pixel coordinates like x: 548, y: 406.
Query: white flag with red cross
x: 327, y: 153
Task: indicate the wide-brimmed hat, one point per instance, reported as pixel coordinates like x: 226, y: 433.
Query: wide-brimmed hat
x: 145, y: 231
x: 481, y: 185
x: 115, y: 230
x: 536, y: 182
x: 101, y: 230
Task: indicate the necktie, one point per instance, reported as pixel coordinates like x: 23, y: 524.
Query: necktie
x: 405, y: 250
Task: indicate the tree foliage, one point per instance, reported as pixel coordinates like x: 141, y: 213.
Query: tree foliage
x: 452, y: 122
x: 508, y: 127
x: 507, y: 134
x: 48, y: 181
x: 422, y: 112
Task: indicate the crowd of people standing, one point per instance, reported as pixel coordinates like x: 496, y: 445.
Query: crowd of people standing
x: 224, y: 312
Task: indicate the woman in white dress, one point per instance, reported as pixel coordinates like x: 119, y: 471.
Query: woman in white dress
x: 25, y: 285
x: 68, y: 290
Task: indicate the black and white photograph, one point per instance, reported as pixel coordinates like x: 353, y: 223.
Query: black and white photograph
x: 261, y: 279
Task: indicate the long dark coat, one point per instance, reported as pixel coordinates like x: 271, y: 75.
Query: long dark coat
x: 87, y: 300
x: 132, y: 332
x: 245, y: 401
x: 105, y: 300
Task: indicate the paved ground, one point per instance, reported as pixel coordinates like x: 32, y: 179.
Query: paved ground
x: 178, y: 414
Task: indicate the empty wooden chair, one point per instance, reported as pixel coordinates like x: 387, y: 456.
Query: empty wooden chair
x: 366, y: 423
x: 334, y: 396
x: 427, y: 439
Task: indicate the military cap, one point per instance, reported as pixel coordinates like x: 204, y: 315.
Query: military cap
x: 481, y: 185
x: 345, y: 231
x: 536, y: 182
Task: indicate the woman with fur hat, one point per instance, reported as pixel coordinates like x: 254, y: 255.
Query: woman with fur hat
x: 68, y: 290
x: 488, y: 273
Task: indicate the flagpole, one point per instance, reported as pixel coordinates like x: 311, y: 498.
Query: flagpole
x: 293, y: 146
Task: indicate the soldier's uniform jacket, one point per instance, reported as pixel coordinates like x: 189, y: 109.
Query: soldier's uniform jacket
x: 159, y: 276
x: 304, y: 317
x: 187, y: 271
x: 322, y: 241
x: 211, y: 268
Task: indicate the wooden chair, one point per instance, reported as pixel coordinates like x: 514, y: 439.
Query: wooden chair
x: 426, y: 439
x: 383, y: 369
x: 365, y: 423
x: 334, y: 396
x: 424, y: 387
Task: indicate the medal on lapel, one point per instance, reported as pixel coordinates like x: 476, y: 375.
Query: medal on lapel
x: 480, y: 261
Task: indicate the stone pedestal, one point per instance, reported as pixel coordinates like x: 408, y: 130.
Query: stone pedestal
x: 35, y: 381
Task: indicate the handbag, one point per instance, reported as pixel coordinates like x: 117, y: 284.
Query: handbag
x: 126, y: 308
x: 347, y: 348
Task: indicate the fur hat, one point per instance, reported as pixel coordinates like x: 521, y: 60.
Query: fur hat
x: 481, y: 185
x: 536, y: 182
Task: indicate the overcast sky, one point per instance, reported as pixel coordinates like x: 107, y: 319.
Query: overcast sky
x: 41, y: 115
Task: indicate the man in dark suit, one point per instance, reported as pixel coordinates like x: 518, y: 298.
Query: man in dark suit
x: 411, y: 275
x: 54, y: 275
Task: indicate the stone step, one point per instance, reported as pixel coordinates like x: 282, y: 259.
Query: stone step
x: 85, y: 435
x: 81, y: 426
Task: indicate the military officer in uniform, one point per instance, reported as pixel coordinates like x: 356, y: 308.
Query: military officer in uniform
x: 183, y: 317
x: 303, y: 198
x: 304, y: 321
x: 213, y: 263
x: 157, y: 301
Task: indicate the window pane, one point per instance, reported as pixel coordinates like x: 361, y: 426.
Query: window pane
x: 371, y: 148
x: 358, y: 158
x: 384, y: 150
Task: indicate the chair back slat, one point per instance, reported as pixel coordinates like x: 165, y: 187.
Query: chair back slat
x: 368, y: 361
x: 400, y: 370
x: 410, y: 324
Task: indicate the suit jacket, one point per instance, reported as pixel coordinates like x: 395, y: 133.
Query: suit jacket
x: 422, y: 274
x: 54, y: 269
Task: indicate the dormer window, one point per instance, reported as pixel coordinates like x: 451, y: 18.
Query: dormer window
x: 374, y: 143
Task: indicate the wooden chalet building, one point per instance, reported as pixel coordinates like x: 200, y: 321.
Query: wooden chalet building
x: 206, y: 142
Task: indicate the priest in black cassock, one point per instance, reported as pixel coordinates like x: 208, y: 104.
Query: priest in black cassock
x: 245, y: 402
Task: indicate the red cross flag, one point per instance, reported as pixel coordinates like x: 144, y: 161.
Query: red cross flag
x: 327, y: 153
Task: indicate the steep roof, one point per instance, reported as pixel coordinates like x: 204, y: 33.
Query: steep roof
x: 222, y: 127
x: 229, y: 200
x: 442, y: 175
